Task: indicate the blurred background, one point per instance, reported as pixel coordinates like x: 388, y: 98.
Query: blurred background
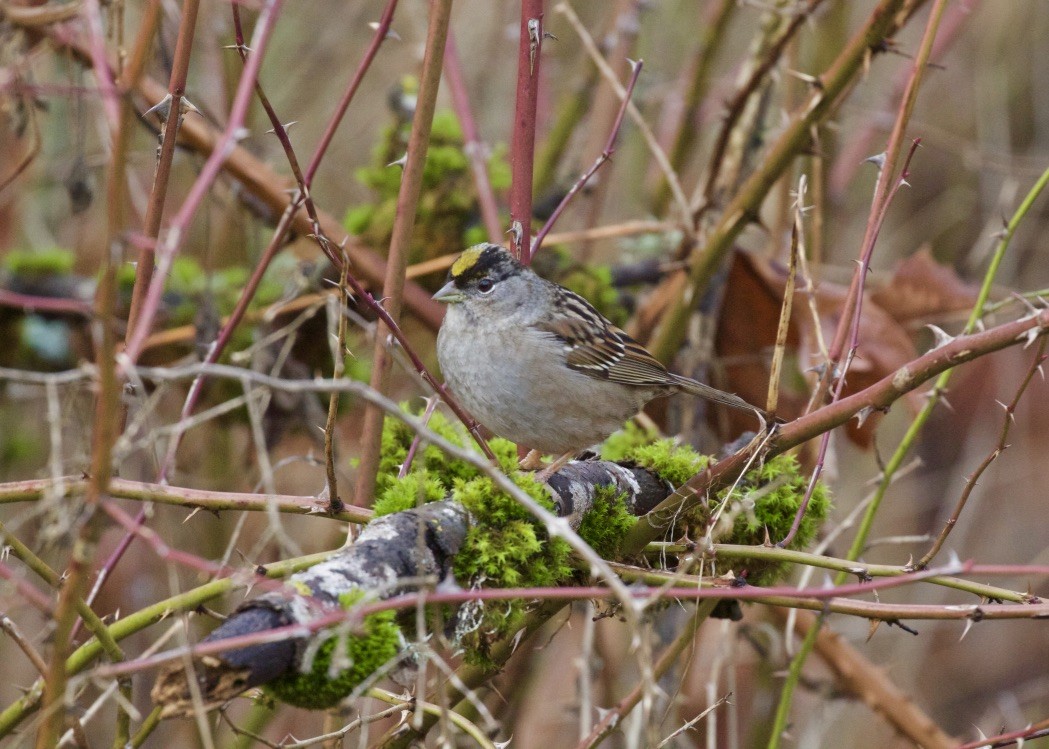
x: 983, y: 118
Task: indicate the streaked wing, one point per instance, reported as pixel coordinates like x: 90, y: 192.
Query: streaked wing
x: 598, y: 348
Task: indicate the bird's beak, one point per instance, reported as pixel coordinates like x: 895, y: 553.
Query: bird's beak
x: 449, y: 294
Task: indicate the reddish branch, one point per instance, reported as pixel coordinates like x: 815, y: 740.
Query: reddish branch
x: 400, y: 242
x: 475, y: 150
x: 878, y: 396
x: 162, y: 174
x: 522, y: 142
x: 606, y: 154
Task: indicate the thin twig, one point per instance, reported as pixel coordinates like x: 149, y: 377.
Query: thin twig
x: 861, y: 272
x: 400, y: 241
x: 646, y: 132
x: 667, y: 660
x: 473, y: 147
x: 165, y: 157
x: 743, y: 208
x: 605, y: 155
x: 338, y: 350
x: 999, y: 448
x: 175, y: 237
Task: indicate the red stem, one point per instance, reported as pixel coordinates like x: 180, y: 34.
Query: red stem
x: 522, y: 142
x: 606, y: 154
x: 162, y: 174
x: 474, y: 148
x: 381, y: 31
x: 180, y: 224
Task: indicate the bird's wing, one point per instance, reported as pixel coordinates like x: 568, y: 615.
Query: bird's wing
x: 596, y: 347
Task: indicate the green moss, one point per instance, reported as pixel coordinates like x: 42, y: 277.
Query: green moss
x: 763, y: 506
x: 447, y: 209
x: 619, y: 446
x: 55, y: 261
x: 505, y: 547
x: 361, y: 652
x: 606, y: 524
x: 413, y: 490
x: 397, y: 438
x: 675, y: 463
x: 358, y: 218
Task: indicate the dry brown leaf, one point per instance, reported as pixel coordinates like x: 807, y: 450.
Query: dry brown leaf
x: 922, y: 290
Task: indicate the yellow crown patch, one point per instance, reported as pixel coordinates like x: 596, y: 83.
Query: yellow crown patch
x: 467, y: 260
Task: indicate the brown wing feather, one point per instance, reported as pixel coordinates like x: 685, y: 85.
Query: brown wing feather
x: 598, y: 348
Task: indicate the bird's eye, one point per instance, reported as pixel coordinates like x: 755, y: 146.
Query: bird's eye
x: 485, y: 285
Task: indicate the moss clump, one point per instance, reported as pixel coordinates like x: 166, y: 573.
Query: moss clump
x: 621, y: 444
x: 505, y: 547
x: 55, y: 261
x: 760, y: 506
x: 606, y: 524
x: 417, y: 488
x: 446, y: 219
x: 362, y: 653
x: 673, y: 462
x: 764, y: 505
x: 392, y: 494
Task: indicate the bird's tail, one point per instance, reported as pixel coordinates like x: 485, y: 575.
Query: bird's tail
x: 698, y: 389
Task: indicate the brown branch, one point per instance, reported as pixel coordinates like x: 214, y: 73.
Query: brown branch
x: 881, y: 24
x: 604, y: 156
x: 192, y: 499
x: 712, y: 33
x: 670, y: 657
x: 878, y: 396
x: 999, y: 448
x: 735, y: 107
x: 162, y: 173
x: 400, y: 241
x: 270, y: 189
x: 862, y: 678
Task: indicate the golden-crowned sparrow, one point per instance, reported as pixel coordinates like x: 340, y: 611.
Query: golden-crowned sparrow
x: 537, y: 364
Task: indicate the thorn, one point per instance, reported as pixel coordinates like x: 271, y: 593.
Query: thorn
x: 534, y: 41
x: 878, y: 160
x: 286, y: 127
x: 163, y: 107
x: 940, y: 336
x: 811, y: 80
x: 390, y: 33
x: 516, y: 232
x: 1025, y: 302
x: 400, y: 162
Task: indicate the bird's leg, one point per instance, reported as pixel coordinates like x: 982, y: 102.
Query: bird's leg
x: 544, y: 475
x: 533, y: 461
